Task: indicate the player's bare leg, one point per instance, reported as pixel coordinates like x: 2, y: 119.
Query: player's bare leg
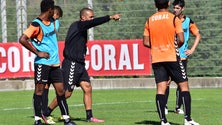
x: 87, y: 99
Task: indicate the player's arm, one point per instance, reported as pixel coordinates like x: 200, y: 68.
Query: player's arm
x: 85, y: 25
x: 180, y: 39
x: 29, y: 33
x: 195, y: 31
x: 179, y: 31
x: 146, y: 41
x: 146, y: 38
x: 24, y: 41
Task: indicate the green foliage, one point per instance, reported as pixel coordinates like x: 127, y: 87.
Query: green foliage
x: 205, y: 13
x: 207, y: 58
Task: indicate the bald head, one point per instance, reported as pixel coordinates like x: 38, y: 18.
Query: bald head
x: 86, y: 14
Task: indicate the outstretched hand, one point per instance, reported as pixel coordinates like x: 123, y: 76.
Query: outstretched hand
x: 115, y: 17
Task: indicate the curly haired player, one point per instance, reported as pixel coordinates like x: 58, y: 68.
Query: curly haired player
x: 42, y: 33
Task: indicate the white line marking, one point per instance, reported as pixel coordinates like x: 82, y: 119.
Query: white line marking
x: 77, y: 105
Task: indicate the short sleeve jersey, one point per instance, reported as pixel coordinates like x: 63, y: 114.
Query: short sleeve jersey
x: 162, y: 28
x: 43, y: 37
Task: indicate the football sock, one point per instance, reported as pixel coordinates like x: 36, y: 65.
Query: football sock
x: 89, y: 114
x: 160, y: 104
x: 66, y: 118
x: 37, y: 103
x: 48, y: 111
x: 178, y: 98
x: 186, y: 99
x: 45, y: 100
x: 167, y: 95
x: 62, y: 104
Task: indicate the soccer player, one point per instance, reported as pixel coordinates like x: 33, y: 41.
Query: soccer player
x: 47, y: 65
x: 57, y: 14
x: 73, y: 65
x: 188, y: 27
x: 159, y: 35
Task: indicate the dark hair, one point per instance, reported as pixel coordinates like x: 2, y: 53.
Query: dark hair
x: 83, y: 11
x: 59, y: 10
x: 181, y: 3
x: 161, y: 4
x: 46, y: 5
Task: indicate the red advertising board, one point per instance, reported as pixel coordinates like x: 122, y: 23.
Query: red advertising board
x: 103, y: 58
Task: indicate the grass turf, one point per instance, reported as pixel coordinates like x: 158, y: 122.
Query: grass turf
x: 117, y: 107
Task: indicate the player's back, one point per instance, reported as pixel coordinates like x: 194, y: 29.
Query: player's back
x: 162, y: 35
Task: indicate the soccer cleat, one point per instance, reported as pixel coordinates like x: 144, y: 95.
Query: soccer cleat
x: 62, y: 119
x: 93, y: 119
x: 68, y: 122
x: 166, y: 111
x: 163, y: 123
x: 192, y: 122
x: 38, y: 122
x: 50, y: 117
x: 179, y: 111
x: 48, y: 120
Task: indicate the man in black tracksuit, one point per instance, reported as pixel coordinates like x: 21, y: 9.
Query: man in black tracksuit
x: 73, y: 65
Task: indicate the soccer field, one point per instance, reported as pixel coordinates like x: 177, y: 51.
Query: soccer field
x: 117, y: 107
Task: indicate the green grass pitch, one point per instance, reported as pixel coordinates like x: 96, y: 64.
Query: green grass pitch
x: 117, y: 107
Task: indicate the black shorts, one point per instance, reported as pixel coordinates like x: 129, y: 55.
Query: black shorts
x: 47, y: 74
x: 164, y: 70
x: 185, y: 64
x: 73, y: 74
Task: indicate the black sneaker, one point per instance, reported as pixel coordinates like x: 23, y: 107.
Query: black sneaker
x: 69, y: 122
x: 38, y: 122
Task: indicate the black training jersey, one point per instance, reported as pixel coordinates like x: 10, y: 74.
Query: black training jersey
x: 76, y: 39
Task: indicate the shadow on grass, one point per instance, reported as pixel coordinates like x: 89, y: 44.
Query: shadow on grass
x: 58, y: 119
x: 171, y: 111
x: 149, y: 122
x: 73, y: 119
